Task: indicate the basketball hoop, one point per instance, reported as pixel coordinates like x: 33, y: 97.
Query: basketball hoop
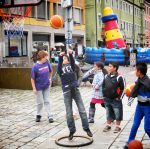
x: 13, y: 20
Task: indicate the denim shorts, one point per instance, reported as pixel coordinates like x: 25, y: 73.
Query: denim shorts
x: 114, y: 110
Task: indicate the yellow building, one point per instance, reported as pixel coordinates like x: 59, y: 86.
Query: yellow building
x: 39, y: 34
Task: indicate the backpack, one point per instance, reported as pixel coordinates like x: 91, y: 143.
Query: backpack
x: 111, y: 87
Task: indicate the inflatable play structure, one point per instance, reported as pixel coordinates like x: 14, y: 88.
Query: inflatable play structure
x: 115, y: 44
x: 113, y: 36
x: 116, y: 55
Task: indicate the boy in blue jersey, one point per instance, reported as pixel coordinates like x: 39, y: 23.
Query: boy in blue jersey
x: 66, y: 71
x: 142, y: 92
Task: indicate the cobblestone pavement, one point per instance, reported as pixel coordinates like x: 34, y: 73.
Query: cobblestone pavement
x: 18, y: 128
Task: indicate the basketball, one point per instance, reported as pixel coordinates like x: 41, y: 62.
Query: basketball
x: 135, y: 144
x: 129, y: 89
x: 56, y: 22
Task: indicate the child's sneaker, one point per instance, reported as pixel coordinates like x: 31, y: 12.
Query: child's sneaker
x: 89, y: 133
x: 51, y: 120
x: 91, y: 120
x: 70, y: 137
x: 117, y: 129
x: 38, y: 118
x: 107, y: 128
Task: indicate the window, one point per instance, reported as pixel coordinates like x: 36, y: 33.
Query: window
x: 58, y: 10
x: 112, y: 3
x: 41, y: 11
x: 99, y: 20
x: 124, y: 6
x: 77, y: 16
x: 124, y: 25
x: 135, y: 11
x: 106, y: 1
x: 16, y: 47
x: 131, y: 10
x: 127, y: 26
x: 117, y: 4
x: 121, y: 25
x: 127, y: 7
x: 99, y: 1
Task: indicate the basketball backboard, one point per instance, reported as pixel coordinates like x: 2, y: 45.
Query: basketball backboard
x: 18, y: 3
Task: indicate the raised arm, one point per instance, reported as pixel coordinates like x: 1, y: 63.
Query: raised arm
x: 72, y: 61
x: 59, y: 69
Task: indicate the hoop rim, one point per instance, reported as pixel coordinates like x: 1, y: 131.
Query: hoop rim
x: 78, y: 145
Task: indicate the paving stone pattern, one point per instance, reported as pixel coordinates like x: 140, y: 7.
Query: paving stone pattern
x: 18, y: 128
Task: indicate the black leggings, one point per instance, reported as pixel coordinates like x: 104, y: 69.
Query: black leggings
x: 92, y: 105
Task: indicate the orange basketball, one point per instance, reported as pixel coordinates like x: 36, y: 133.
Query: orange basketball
x: 56, y: 22
x: 135, y: 144
x: 129, y: 89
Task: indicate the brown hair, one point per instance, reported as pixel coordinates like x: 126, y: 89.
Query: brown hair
x: 42, y: 54
x: 101, y: 66
x: 66, y: 57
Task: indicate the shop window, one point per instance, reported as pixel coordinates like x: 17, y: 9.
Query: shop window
x: 16, y: 46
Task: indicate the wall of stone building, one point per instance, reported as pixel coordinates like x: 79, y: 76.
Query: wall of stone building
x: 19, y: 77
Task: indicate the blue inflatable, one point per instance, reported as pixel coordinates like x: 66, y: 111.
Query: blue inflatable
x: 116, y: 55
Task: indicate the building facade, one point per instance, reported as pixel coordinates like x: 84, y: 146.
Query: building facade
x: 129, y: 12
x: 39, y: 34
x: 147, y: 24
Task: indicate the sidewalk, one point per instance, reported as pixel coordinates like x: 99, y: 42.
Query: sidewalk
x: 18, y: 128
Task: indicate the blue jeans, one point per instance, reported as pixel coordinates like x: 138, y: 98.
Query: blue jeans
x: 140, y: 112
x: 114, y: 109
x: 68, y: 97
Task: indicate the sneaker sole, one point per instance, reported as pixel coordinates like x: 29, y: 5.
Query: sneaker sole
x: 106, y: 130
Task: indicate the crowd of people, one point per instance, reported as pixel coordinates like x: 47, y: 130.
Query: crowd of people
x: 108, y: 90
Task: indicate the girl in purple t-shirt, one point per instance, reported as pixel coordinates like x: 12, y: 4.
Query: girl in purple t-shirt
x: 41, y: 75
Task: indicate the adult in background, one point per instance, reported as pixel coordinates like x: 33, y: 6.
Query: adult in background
x: 103, y: 58
x: 136, y: 53
x: 41, y: 75
x: 127, y: 55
